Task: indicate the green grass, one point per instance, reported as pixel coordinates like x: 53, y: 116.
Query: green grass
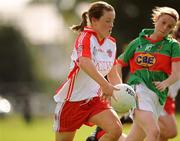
x: 13, y: 128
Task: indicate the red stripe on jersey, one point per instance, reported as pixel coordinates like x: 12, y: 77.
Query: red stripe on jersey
x: 72, y: 76
x: 112, y: 39
x: 69, y: 93
x: 74, y: 70
x: 153, y: 41
x: 83, y: 45
x: 59, y: 88
x: 115, y: 62
x: 73, y: 80
x: 175, y: 59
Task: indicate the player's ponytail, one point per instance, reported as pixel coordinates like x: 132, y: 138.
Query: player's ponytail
x: 83, y: 23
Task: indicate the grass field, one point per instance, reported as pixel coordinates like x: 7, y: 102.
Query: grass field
x: 13, y: 128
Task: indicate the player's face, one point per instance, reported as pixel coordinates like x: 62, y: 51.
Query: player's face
x: 164, y: 25
x: 104, y: 25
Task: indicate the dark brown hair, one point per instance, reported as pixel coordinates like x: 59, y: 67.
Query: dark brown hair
x: 96, y: 10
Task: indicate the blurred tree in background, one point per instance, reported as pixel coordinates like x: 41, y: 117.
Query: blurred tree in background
x: 15, y: 59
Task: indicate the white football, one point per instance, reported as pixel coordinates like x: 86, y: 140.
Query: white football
x: 125, y: 98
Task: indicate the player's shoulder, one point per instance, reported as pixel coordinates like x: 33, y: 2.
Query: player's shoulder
x: 88, y: 31
x: 172, y: 42
x: 134, y: 43
x: 112, y: 39
x: 84, y: 35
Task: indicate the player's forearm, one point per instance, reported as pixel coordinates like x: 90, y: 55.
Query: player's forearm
x: 114, y: 77
x: 88, y: 67
x: 175, y: 75
x: 119, y: 69
x: 170, y: 80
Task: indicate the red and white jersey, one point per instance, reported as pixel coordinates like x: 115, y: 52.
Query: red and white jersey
x: 79, y: 85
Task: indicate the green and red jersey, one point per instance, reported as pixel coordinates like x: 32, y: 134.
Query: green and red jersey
x: 150, y: 60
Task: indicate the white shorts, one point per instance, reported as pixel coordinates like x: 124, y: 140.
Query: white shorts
x: 163, y: 113
x: 148, y: 100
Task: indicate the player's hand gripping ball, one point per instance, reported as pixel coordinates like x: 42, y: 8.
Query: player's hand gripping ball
x: 124, y: 99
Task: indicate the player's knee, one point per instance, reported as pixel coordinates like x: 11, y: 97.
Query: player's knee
x: 172, y: 134
x: 115, y: 135
x: 169, y: 133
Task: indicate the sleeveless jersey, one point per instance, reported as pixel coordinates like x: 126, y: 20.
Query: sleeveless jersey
x: 79, y: 85
x: 150, y: 60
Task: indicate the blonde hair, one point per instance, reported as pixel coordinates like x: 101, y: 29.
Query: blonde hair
x: 159, y: 11
x: 176, y: 31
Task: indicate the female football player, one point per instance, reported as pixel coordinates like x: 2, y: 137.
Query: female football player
x: 154, y: 59
x: 82, y: 99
